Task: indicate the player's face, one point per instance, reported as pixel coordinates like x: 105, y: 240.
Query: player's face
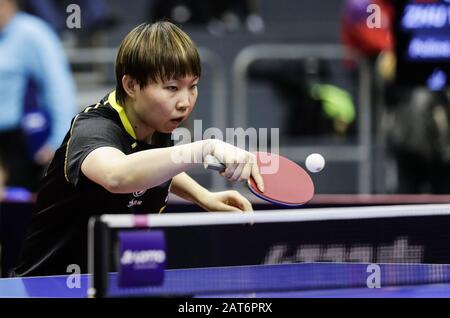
x: 163, y: 106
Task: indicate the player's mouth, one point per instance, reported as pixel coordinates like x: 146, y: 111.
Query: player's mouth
x: 177, y: 120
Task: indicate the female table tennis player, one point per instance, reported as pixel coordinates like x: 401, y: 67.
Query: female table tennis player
x: 117, y: 156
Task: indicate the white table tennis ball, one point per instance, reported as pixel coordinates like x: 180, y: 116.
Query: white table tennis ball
x: 315, y: 162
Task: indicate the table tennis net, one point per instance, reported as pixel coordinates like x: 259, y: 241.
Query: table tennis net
x: 335, y: 247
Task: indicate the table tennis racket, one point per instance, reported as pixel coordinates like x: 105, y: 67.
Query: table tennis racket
x: 285, y: 182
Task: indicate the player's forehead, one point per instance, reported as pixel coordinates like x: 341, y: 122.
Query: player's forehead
x: 189, y: 78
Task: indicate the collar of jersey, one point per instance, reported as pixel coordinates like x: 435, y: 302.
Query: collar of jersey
x: 123, y: 116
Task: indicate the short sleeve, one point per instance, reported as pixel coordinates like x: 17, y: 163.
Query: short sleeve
x: 163, y: 140
x: 87, y: 135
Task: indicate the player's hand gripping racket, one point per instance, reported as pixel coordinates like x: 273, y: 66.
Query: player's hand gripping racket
x: 285, y: 182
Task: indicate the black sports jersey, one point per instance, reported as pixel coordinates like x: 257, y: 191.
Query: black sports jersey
x: 67, y: 199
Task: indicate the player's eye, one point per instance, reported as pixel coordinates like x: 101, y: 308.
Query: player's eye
x: 194, y: 86
x: 171, y: 88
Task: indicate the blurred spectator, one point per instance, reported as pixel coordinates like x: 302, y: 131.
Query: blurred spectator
x: 415, y: 118
x: 369, y: 41
x: 218, y: 16
x: 376, y: 44
x: 38, y: 95
x: 419, y: 138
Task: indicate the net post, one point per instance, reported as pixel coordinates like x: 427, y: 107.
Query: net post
x: 98, y: 257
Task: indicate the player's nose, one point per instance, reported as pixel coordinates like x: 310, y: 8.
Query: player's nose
x: 184, y: 102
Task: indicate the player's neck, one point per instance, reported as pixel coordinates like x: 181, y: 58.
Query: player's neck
x: 142, y: 131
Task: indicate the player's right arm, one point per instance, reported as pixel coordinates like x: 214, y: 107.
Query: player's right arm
x: 120, y: 173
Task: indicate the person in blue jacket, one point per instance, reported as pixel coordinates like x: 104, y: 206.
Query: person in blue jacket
x: 38, y: 95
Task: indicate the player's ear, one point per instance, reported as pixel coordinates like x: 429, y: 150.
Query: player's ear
x: 130, y: 85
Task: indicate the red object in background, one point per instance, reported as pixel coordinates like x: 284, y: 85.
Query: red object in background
x: 356, y: 33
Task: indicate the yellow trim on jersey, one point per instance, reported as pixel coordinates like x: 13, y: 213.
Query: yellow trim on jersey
x: 70, y: 138
x: 162, y: 209
x: 67, y: 149
x: 123, y: 116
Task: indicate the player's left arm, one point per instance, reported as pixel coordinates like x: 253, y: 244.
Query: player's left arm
x: 187, y: 188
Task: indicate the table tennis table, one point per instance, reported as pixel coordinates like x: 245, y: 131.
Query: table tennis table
x: 327, y: 280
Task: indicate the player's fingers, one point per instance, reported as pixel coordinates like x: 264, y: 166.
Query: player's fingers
x: 228, y: 208
x: 241, y: 201
x: 229, y: 171
x: 257, y: 177
x: 237, y: 173
x: 246, y: 172
x: 247, y: 169
x: 246, y: 205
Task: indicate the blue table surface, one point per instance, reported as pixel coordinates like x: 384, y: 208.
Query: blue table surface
x: 282, y: 280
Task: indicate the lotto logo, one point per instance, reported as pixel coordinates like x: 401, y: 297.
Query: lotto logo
x: 142, y: 257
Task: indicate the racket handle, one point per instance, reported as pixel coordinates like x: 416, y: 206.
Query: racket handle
x: 212, y: 163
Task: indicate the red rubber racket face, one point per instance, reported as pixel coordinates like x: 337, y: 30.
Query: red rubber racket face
x: 285, y: 182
